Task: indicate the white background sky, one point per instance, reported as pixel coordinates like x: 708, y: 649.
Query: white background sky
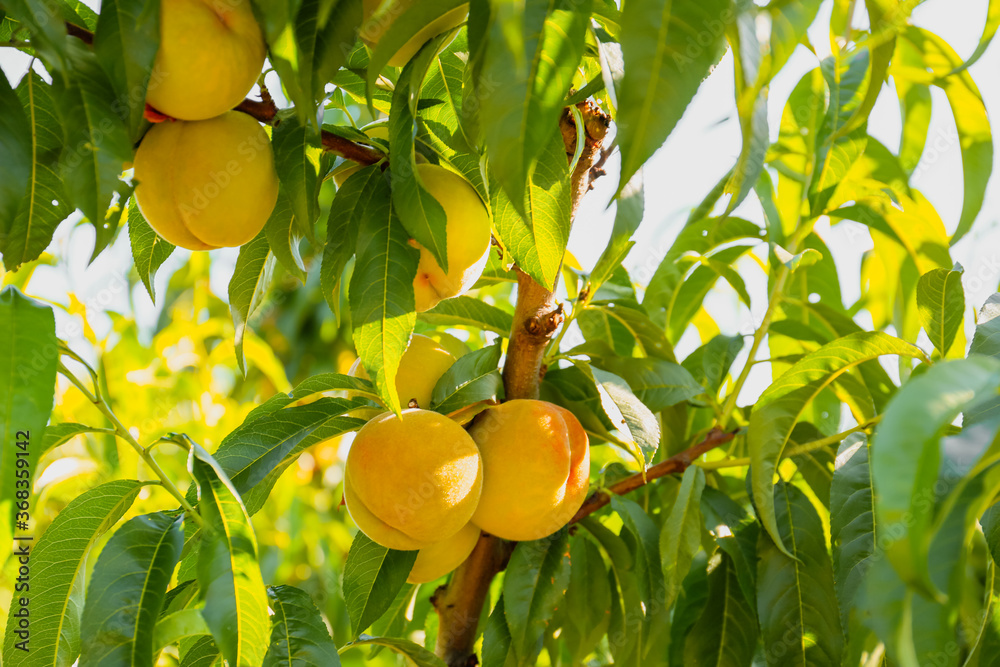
x: 701, y: 149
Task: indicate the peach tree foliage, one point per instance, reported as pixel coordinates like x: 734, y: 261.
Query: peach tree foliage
x: 842, y: 516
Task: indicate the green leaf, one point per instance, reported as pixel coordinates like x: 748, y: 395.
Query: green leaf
x: 986, y: 340
x: 56, y: 601
x: 789, y: 21
x: 796, y: 603
x: 257, y: 452
x: 497, y: 649
x: 420, y: 656
x: 296, y: 158
x: 726, y: 632
x: 95, y: 139
x: 127, y: 589
x: 43, y: 204
x: 853, y: 529
x: 373, y: 575
x: 906, y: 455
x: 126, y: 41
x: 299, y: 637
x: 283, y: 237
x: 249, y: 286
x: 941, y: 304
x: 631, y: 206
x: 642, y: 536
x: 469, y: 311
x: 537, y: 238
x: 48, y: 37
x: 178, y: 625
x: 202, y: 653
x: 409, y: 20
x: 636, y: 423
x: 974, y: 135
x: 422, y: 215
x: 989, y: 31
x: 149, y: 250
x: 228, y: 572
x: 802, y: 260
x: 662, y: 71
x: 29, y: 354
x: 736, y: 533
x: 58, y: 434
x: 536, y: 579
x: 381, y: 292
x: 709, y: 364
x: 751, y: 105
x: 588, y: 596
x: 530, y: 59
x: 346, y: 213
x: 780, y: 406
x: 681, y: 534
x: 655, y: 382
x: 474, y: 377
x: 16, y: 144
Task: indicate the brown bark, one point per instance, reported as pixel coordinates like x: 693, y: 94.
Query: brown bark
x: 537, y: 317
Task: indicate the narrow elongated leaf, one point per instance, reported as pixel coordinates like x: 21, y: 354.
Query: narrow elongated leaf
x: 681, y: 534
x: 373, y: 575
x: 986, y: 341
x: 789, y: 21
x: 58, y: 565
x: 751, y: 105
x: 296, y: 159
x: 780, y: 406
x: 853, y: 530
x: 299, y: 637
x: 726, y: 632
x: 173, y: 627
x: 796, y: 604
x: 228, y: 573
x: 989, y: 31
x: 393, y: 32
x: 249, y: 286
x: 536, y: 238
x: 346, y: 213
x: 530, y: 59
x: 662, y: 71
x: 283, y: 237
x: 420, y: 656
x: 474, y: 377
x: 421, y: 214
x: 58, y: 434
x: 655, y: 382
x: 96, y: 141
x: 381, y: 294
x: 202, y: 653
x: 127, y: 590
x: 643, y: 537
x: 471, y: 312
x: 906, y: 456
x: 16, y: 146
x: 126, y: 41
x: 535, y: 581
x: 710, y: 363
x: 585, y: 617
x: 149, y: 250
x: 497, y: 649
x: 43, y: 204
x: 736, y: 532
x: 631, y: 206
x: 941, y: 304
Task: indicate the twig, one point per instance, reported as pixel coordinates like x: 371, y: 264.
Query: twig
x: 676, y: 463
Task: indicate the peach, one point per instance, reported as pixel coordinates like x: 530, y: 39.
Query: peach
x: 211, y: 53
x: 440, y: 558
x: 207, y: 183
x: 421, y: 366
x: 536, y: 468
x: 412, y: 480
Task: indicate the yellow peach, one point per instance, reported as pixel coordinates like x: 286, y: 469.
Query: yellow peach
x: 468, y: 232
x: 421, y: 366
x: 412, y: 480
x: 211, y: 53
x: 536, y: 467
x: 440, y: 558
x: 374, y: 26
x: 208, y: 183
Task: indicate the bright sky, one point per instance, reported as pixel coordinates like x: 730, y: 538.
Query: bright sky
x: 701, y: 149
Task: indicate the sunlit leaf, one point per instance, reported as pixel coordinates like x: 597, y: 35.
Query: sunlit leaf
x: 373, y: 575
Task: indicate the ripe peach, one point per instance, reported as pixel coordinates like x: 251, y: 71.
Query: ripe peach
x: 207, y: 183
x: 412, y: 480
x: 421, y: 366
x: 536, y: 466
x: 468, y: 231
x: 211, y: 53
x: 440, y: 558
x: 374, y: 27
